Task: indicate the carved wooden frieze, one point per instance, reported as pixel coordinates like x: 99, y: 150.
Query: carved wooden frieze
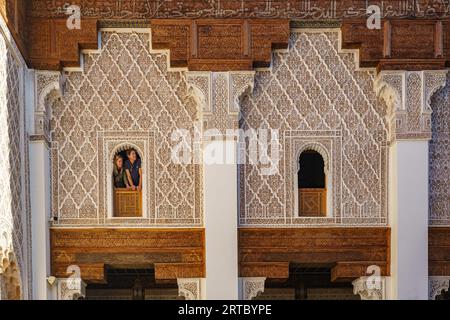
x: 220, y: 45
x: 174, y: 253
x: 354, y: 249
x: 53, y: 46
x: 416, y: 37
x: 292, y: 9
x: 399, y: 44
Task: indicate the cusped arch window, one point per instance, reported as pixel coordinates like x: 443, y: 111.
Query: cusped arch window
x: 127, y: 182
x: 312, y: 184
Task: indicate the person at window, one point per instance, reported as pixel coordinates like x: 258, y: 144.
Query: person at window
x: 119, y: 174
x: 134, y: 170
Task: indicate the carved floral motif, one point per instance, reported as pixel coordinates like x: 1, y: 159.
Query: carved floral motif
x: 127, y: 91
x: 252, y: 287
x: 15, y: 257
x: 439, y: 183
x: 369, y: 290
x: 71, y: 289
x: 313, y: 93
x: 408, y: 97
x: 189, y: 288
x: 436, y: 285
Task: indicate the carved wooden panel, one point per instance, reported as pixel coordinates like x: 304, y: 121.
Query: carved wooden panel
x: 439, y: 251
x: 293, y: 9
x: 346, y: 271
x: 127, y: 203
x: 173, y: 252
x: 313, y: 202
x: 350, y: 248
x: 220, y: 45
x: 14, y: 13
x: 399, y: 44
x: 53, y: 46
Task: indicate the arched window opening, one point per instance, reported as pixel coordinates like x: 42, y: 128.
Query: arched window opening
x: 312, y: 191
x: 127, y: 182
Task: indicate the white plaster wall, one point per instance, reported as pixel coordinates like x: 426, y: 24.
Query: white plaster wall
x: 408, y: 208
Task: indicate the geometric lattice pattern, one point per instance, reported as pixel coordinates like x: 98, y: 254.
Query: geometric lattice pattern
x: 13, y: 219
x: 440, y: 158
x: 310, y: 90
x: 123, y: 89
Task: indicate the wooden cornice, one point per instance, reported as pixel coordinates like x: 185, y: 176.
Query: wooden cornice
x: 268, y: 252
x: 245, y: 44
x: 53, y: 46
x: 231, y: 35
x: 399, y: 44
x: 220, y: 44
x: 174, y: 253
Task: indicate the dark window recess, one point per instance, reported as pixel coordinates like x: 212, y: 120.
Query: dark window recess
x: 311, y: 174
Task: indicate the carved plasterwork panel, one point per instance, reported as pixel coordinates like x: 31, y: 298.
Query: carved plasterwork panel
x: 71, y: 289
x: 440, y: 158
x: 218, y: 96
x: 408, y: 96
x: 15, y: 257
x: 252, y: 287
x: 312, y: 89
x: 189, y: 288
x: 436, y: 285
x: 48, y: 86
x: 329, y: 145
x: 127, y: 91
x: 370, y: 289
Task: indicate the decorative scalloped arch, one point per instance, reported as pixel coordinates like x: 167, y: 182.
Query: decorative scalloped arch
x: 125, y: 146
x: 319, y: 148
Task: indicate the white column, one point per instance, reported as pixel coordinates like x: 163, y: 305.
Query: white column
x: 218, y: 96
x: 46, y: 86
x: 408, y: 96
x: 220, y: 207
x: 409, y: 219
x: 40, y: 213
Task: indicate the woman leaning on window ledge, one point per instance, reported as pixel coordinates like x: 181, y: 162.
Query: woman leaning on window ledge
x: 120, y: 176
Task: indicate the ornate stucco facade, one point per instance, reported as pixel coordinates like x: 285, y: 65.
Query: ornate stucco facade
x: 239, y: 94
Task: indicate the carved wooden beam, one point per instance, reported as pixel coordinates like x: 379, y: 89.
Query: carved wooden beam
x: 170, y: 271
x: 91, y: 272
x: 400, y: 44
x: 260, y: 249
x: 439, y: 251
x: 220, y: 44
x: 53, y: 46
x: 349, y: 271
x: 14, y: 14
x: 274, y: 270
x: 173, y: 252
